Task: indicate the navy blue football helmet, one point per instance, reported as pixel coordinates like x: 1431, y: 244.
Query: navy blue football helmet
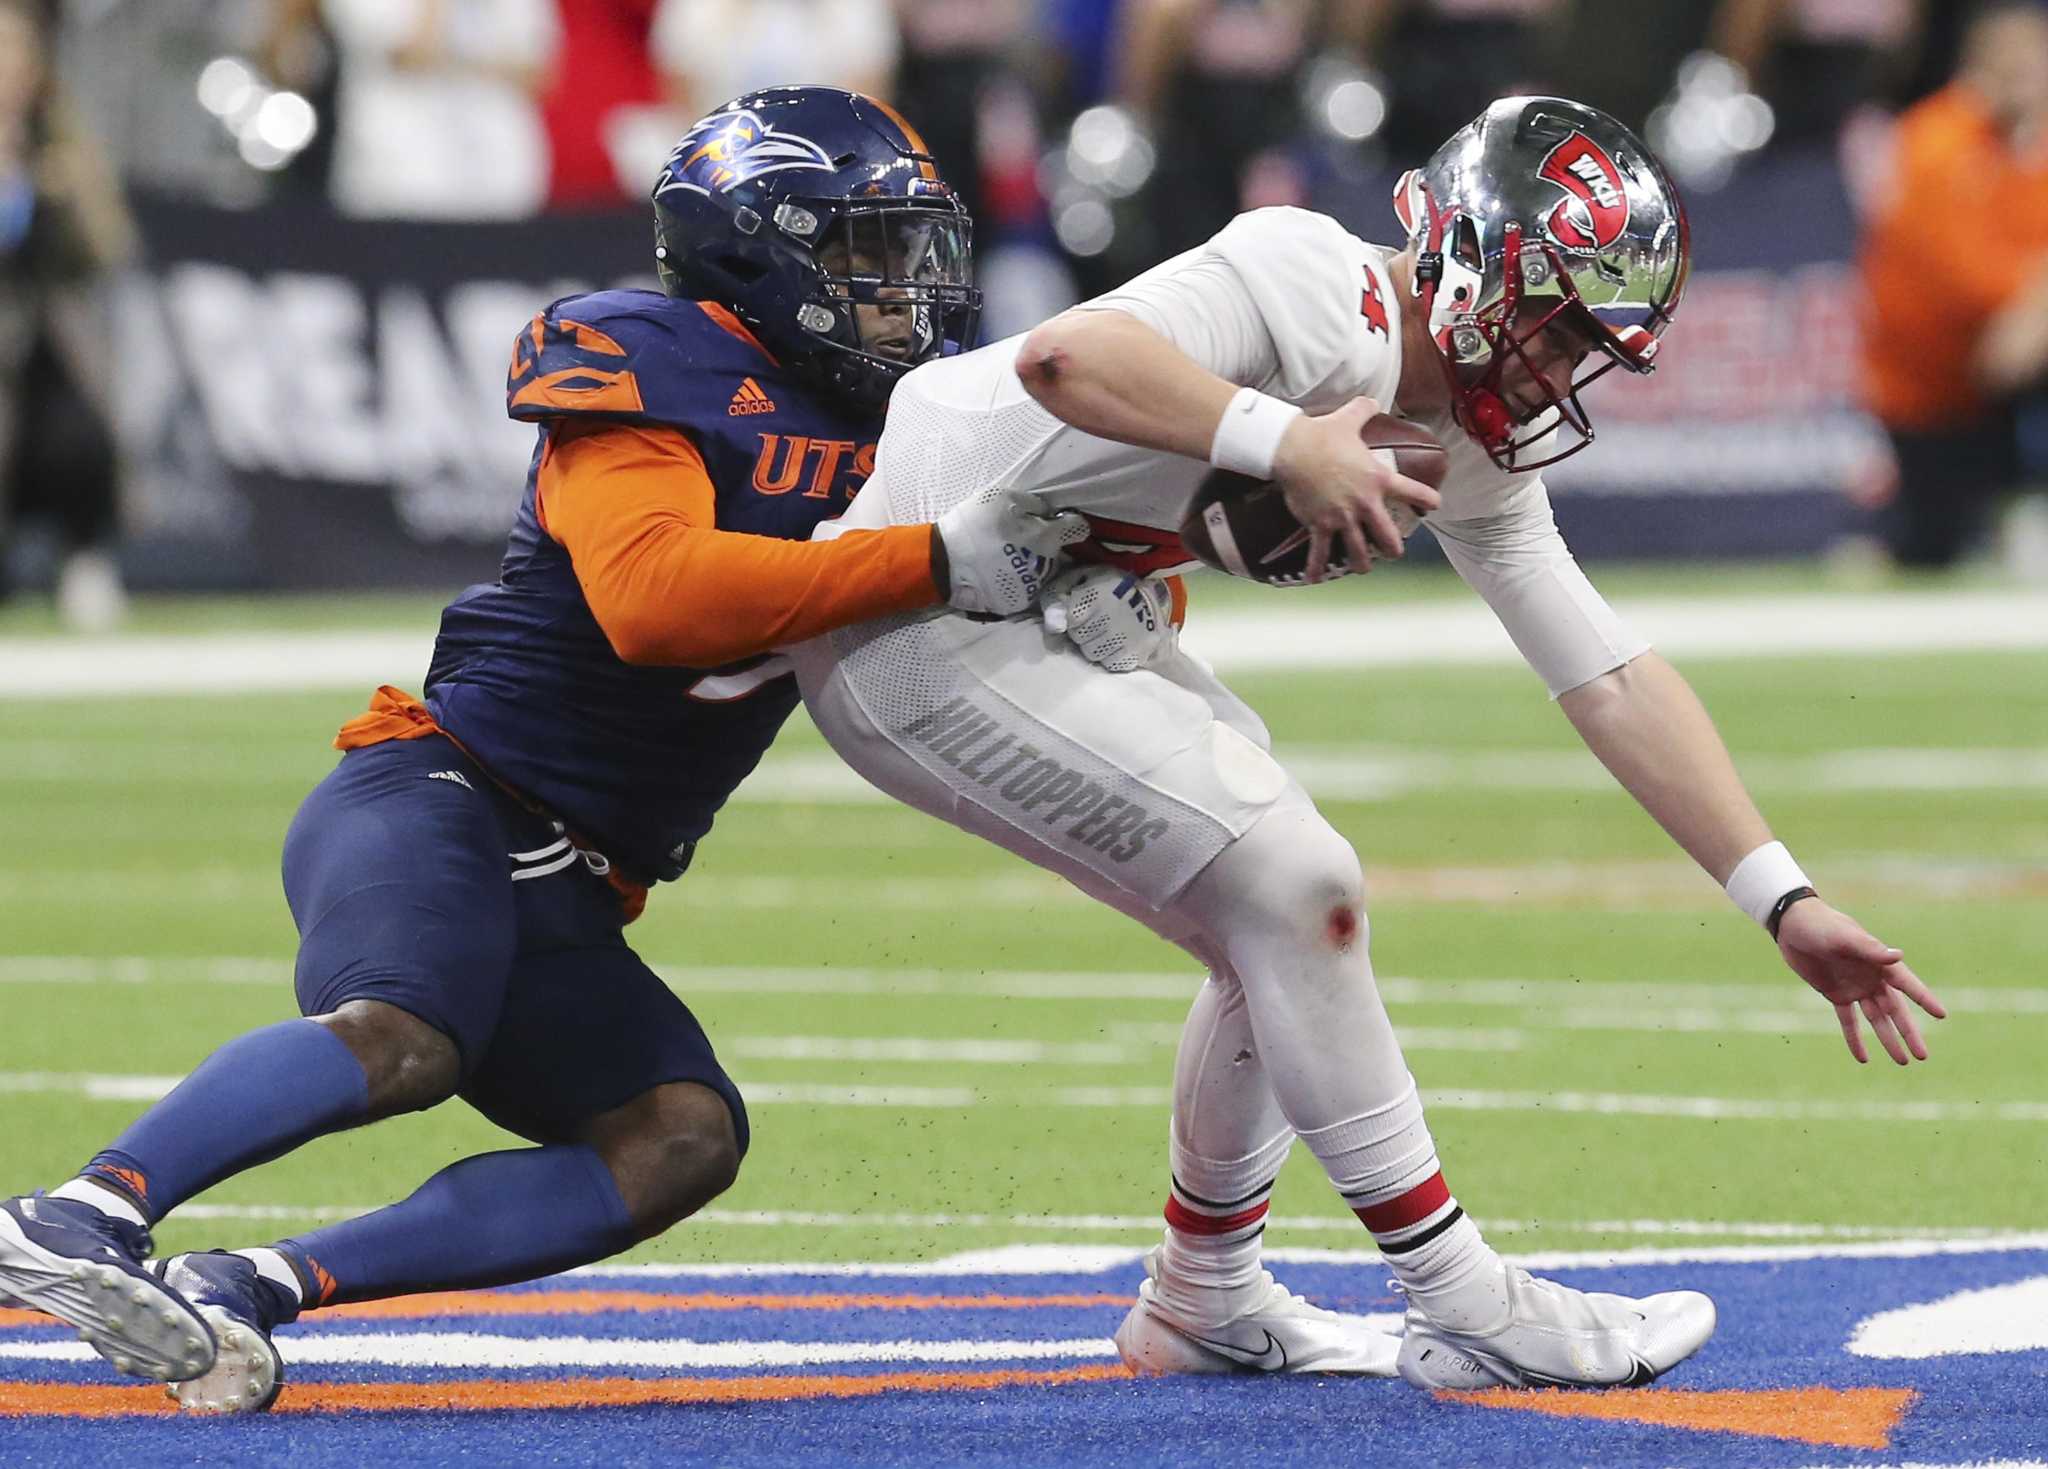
x: 794, y: 205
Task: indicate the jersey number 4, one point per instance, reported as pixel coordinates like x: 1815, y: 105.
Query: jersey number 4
x: 1371, y: 306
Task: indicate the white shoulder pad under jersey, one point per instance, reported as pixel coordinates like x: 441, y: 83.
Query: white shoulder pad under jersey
x: 1325, y: 297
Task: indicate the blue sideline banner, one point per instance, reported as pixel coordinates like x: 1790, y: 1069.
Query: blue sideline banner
x: 1743, y: 440
x: 308, y: 401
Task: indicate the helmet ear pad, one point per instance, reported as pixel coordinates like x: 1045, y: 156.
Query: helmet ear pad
x: 1411, y: 203
x: 729, y: 262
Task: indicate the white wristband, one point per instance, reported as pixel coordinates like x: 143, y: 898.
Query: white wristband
x: 1248, y: 435
x: 1763, y: 877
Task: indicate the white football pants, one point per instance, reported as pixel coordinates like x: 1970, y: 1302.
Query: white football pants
x: 1155, y: 792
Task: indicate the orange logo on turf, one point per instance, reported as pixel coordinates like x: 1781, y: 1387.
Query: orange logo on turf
x: 748, y: 398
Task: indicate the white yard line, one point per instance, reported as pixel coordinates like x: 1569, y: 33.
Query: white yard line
x: 1293, y: 635
x: 1382, y: 773
x: 116, y: 1088
x: 92, y: 1086
x: 1808, y: 1234
x: 1622, y: 886
x: 2012, y: 1317
x: 475, y: 1349
x: 1570, y: 1003
x: 1735, y: 1108
x: 1333, y: 772
x: 811, y: 1094
x: 1052, y: 1259
x: 1158, y: 1033
x: 1287, y: 635
x: 929, y: 1050
x: 1893, y: 1249
x: 923, y: 1050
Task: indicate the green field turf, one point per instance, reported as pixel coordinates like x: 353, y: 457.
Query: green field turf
x: 148, y: 830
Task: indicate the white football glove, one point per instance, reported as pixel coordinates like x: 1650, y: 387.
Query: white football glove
x: 1000, y: 551
x: 1115, y: 617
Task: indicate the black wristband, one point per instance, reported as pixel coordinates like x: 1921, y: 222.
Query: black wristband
x: 1778, y: 908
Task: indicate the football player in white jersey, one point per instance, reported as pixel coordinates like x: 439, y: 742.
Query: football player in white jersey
x: 1546, y: 245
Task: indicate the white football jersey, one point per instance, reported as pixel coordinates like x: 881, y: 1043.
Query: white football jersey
x: 1283, y: 300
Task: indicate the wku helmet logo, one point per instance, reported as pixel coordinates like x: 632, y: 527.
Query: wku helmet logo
x: 730, y: 148
x: 1596, y: 212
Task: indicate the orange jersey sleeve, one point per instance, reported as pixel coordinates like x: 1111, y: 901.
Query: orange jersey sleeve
x: 635, y: 509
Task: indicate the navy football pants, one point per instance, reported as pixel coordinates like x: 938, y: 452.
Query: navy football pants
x: 415, y: 881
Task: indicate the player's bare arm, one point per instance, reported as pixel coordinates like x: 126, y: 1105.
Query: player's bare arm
x: 1111, y: 375
x: 1649, y: 729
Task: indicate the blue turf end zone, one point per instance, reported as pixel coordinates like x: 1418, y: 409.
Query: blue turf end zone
x: 1786, y: 1324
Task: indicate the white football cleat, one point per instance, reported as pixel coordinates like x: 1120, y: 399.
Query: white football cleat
x: 1550, y: 1335
x: 1283, y: 1333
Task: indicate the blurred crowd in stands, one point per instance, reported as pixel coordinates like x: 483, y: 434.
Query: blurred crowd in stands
x: 1090, y: 137
x: 1036, y: 108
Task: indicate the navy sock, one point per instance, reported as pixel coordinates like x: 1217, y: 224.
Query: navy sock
x: 256, y: 1098
x: 494, y: 1219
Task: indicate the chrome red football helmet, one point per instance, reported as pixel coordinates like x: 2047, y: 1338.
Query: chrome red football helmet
x: 1551, y: 204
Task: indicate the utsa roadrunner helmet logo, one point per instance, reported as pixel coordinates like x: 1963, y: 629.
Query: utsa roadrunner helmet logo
x: 730, y: 148
x: 1597, y: 211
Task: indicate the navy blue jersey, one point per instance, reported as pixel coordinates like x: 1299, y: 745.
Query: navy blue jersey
x: 637, y: 760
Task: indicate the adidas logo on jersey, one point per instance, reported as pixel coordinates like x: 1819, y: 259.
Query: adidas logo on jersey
x: 455, y: 775
x: 748, y: 398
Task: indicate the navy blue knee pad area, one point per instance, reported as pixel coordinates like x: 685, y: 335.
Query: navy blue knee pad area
x: 587, y: 1030
x: 416, y: 881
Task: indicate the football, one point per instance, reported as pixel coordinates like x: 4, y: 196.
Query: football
x: 1243, y: 526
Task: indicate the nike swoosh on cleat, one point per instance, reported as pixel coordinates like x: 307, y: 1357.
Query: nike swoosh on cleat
x: 1641, y: 1374
x: 1247, y: 1358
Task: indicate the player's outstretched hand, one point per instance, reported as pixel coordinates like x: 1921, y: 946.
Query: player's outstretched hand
x: 1117, y: 619
x: 999, y: 551
x: 1859, y: 975
x: 1337, y: 486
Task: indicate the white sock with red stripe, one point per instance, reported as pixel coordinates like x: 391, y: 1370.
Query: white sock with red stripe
x: 1209, y: 1270
x: 1227, y: 1143
x: 1385, y: 1165
x: 1284, y: 905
